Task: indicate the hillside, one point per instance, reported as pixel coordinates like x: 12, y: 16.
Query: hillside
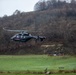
x: 57, y: 24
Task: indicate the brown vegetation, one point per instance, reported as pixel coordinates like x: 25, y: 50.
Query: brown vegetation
x: 58, y: 24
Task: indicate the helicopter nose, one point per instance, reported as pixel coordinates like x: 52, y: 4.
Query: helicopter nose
x: 12, y: 38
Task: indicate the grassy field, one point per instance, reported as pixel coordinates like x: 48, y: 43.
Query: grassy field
x: 36, y: 63
x: 40, y: 74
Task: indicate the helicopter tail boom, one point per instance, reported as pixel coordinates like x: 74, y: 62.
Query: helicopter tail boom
x: 39, y: 38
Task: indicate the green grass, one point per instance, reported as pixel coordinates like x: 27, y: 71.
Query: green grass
x: 36, y: 63
x: 40, y: 74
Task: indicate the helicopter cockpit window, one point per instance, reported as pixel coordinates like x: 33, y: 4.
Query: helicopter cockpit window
x: 26, y: 34
x: 20, y: 35
x: 17, y: 36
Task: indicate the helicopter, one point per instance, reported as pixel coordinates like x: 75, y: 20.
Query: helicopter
x: 24, y: 36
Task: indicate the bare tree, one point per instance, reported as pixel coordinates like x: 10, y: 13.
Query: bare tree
x: 73, y: 1
x: 40, y: 5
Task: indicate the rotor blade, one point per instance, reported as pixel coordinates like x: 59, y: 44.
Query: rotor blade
x: 15, y: 30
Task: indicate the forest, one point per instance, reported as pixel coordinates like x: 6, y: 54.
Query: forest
x: 54, y: 19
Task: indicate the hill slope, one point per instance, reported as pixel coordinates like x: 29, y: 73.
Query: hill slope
x: 58, y: 25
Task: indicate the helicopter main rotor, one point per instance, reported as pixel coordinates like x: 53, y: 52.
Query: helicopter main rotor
x: 10, y: 30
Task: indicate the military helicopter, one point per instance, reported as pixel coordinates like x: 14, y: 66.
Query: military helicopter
x: 24, y: 36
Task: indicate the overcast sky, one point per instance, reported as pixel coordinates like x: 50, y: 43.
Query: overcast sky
x: 7, y: 7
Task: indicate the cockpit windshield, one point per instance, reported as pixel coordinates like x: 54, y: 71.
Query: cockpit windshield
x: 26, y: 34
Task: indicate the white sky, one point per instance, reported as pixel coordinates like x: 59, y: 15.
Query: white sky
x: 7, y: 7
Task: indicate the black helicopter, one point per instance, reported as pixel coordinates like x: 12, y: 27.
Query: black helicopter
x: 24, y: 36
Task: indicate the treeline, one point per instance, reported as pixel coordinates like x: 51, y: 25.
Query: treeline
x: 54, y: 4
x: 58, y: 24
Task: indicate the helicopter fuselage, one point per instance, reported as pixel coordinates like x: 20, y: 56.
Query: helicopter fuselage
x: 21, y: 37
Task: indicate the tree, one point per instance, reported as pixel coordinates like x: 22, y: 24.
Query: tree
x: 73, y: 4
x: 40, y: 5
x: 16, y: 12
x: 73, y: 1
